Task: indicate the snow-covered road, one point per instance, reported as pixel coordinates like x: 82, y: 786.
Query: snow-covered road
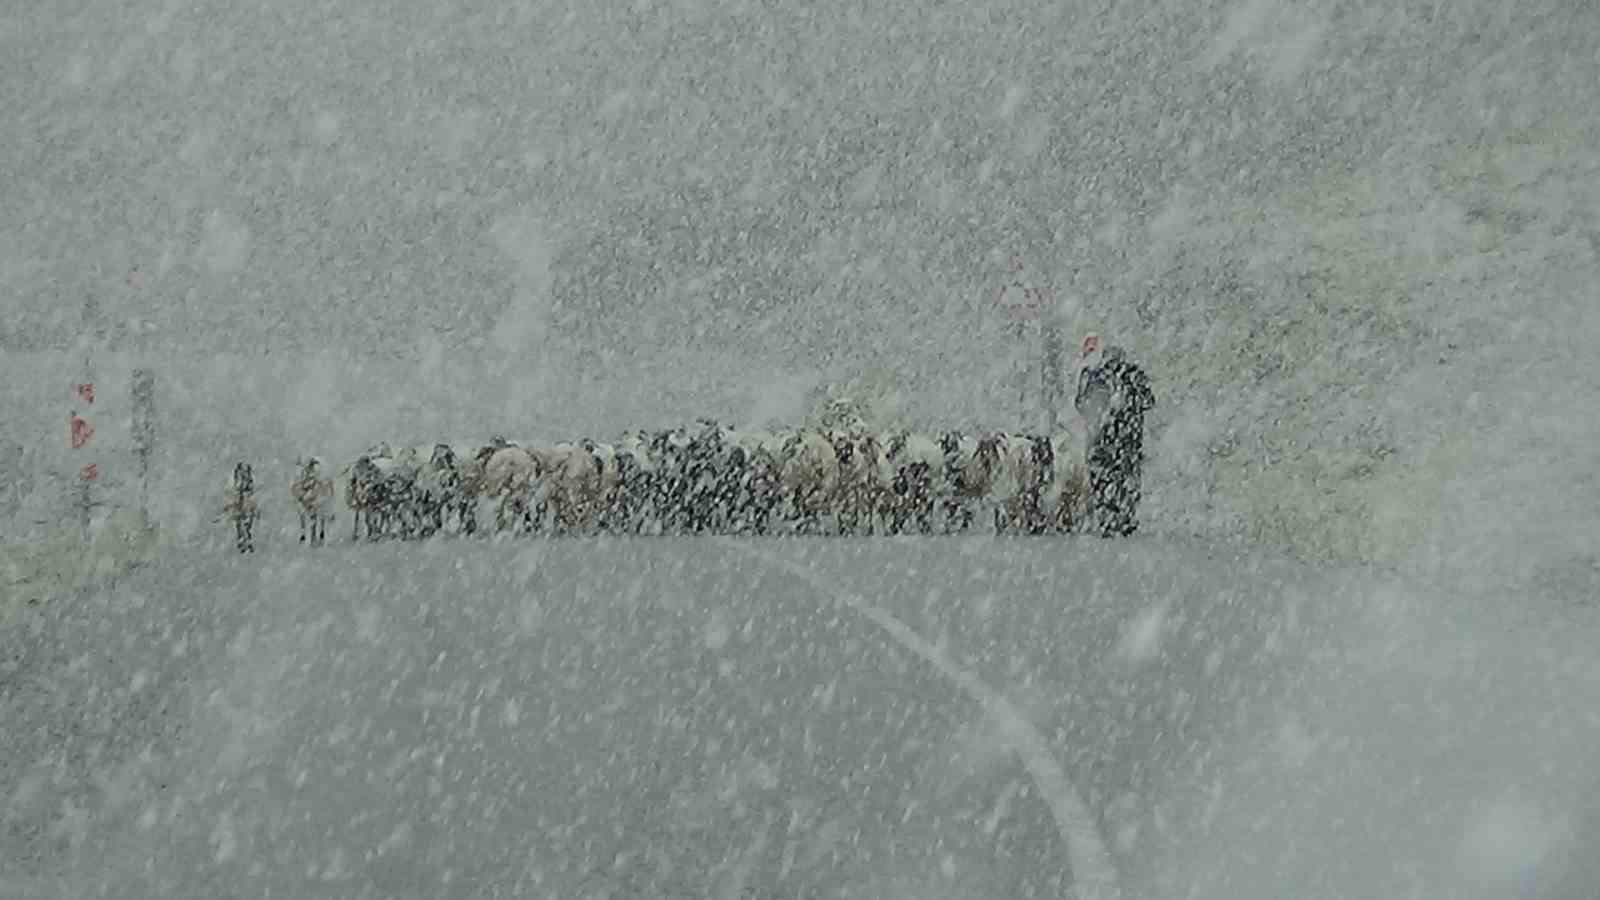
x: 666, y: 718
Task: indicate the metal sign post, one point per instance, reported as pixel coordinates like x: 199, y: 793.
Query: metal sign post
x: 1052, y: 389
x: 1023, y: 303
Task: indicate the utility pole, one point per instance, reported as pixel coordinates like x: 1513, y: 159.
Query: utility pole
x: 1051, y: 372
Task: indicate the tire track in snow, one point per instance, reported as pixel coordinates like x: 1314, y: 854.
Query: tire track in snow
x: 1094, y: 877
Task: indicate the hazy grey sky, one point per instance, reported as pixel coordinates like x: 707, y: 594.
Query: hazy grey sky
x: 297, y: 171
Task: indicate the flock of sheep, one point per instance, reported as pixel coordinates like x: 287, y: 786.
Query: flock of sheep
x: 709, y: 479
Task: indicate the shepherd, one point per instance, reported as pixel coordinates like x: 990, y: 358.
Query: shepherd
x: 1113, y: 396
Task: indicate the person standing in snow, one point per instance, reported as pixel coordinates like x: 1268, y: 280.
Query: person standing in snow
x: 1113, y: 396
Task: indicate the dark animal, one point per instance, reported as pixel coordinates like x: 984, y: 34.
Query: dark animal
x: 1043, y: 453
x: 365, y: 497
x: 242, y: 506
x: 441, y: 495
x: 624, y: 502
x: 764, y: 490
x: 957, y: 515
x: 670, y: 497
x: 703, y: 465
x: 911, y: 492
x: 733, y: 489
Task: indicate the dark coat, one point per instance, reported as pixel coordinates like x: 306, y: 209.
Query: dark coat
x: 1114, y: 396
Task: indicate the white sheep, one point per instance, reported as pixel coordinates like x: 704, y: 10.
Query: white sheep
x: 1026, y: 492
x: 313, y: 497
x: 974, y: 467
x: 508, y: 476
x: 568, y: 482
x: 863, y: 479
x: 609, y: 512
x: 1068, y: 497
x: 810, y: 477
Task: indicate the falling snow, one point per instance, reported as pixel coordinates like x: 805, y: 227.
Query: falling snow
x: 1349, y: 652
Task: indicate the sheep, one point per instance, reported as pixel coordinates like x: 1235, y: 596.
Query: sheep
x: 313, y: 497
x: 810, y: 477
x: 409, y: 505
x: 635, y: 481
x: 571, y: 479
x: 604, y: 490
x: 733, y: 490
x: 879, y: 479
x: 468, y: 484
x: 754, y: 486
x: 765, y: 490
x: 636, y: 473
x: 916, y: 479
x: 240, y: 506
x: 703, y: 463
x: 625, y: 504
x: 397, y: 475
x: 439, y: 493
x: 711, y: 478
x: 609, y: 482
x: 861, y: 480
x: 474, y: 486
x: 955, y: 449
x: 1068, y: 501
x: 972, y: 468
x: 1041, y: 478
x: 1028, y: 466
x: 670, y: 486
x: 378, y: 488
x: 364, y: 496
x: 509, y: 472
x: 737, y: 486
x: 731, y: 485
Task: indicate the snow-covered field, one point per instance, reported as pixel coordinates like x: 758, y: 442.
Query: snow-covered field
x: 55, y: 567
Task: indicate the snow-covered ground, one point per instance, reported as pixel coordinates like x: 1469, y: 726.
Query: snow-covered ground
x: 39, y: 571
x: 1356, y: 244
x: 932, y: 718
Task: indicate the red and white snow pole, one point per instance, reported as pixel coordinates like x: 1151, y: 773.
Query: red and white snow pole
x: 79, y: 430
x: 79, y: 434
